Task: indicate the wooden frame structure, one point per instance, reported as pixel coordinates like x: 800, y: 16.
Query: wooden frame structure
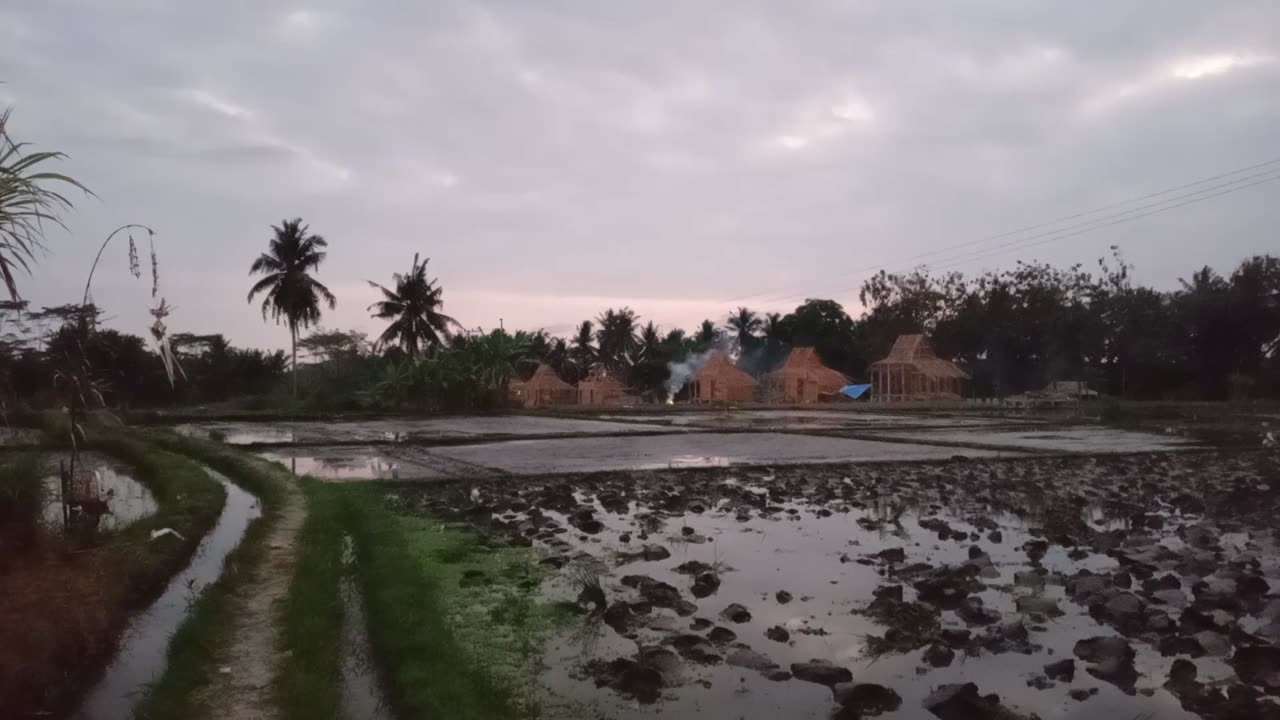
x: 913, y: 371
x: 719, y: 380
x: 600, y: 388
x: 542, y: 389
x: 803, y: 378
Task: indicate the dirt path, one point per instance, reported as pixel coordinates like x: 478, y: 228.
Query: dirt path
x: 252, y: 658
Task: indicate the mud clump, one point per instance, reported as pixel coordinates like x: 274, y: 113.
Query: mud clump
x: 822, y: 672
x: 861, y: 700
x: 736, y: 613
x: 963, y: 702
x: 777, y: 633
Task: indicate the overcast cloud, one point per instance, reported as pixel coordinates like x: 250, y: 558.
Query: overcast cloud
x: 557, y: 157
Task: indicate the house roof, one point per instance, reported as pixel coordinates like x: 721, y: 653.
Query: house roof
x: 719, y: 367
x: 544, y: 377
x: 804, y: 362
x: 600, y: 375
x: 915, y: 350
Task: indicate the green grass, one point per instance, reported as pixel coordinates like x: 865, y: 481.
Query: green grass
x: 441, y: 649
x: 309, y: 687
x: 198, y: 642
x: 80, y: 593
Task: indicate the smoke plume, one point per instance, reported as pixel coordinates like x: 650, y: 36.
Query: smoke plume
x: 680, y: 372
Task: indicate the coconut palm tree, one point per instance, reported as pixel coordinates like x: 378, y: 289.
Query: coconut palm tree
x: 291, y: 293
x: 413, y: 308
x: 745, y: 323
x: 26, y: 203
x: 650, y: 342
x: 583, y: 353
x: 707, y: 337
x: 617, y: 338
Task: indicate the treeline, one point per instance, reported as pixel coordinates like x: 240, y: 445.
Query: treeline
x: 1213, y: 338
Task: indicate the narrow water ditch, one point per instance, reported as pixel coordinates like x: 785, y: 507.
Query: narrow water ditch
x: 140, y: 658
x: 362, y: 696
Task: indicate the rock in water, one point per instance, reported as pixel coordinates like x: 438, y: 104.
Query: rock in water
x: 821, y: 672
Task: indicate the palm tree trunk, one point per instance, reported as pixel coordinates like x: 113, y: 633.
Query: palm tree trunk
x: 293, y: 338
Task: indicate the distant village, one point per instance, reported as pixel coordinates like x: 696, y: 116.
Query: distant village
x: 911, y: 371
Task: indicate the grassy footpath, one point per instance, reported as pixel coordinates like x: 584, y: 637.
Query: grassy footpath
x: 195, y: 647
x: 455, y: 621
x: 310, y: 682
x: 76, y: 599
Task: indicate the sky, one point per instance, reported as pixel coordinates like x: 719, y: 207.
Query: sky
x: 558, y: 157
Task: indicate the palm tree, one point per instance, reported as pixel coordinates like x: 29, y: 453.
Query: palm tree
x: 413, y: 308
x: 26, y: 203
x: 650, y: 342
x: 708, y: 336
x: 617, y: 338
x: 773, y: 328
x: 583, y: 352
x: 745, y: 323
x: 291, y: 293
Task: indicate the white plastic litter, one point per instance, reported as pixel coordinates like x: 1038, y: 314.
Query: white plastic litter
x: 166, y: 531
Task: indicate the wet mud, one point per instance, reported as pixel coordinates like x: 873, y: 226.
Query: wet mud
x: 1073, y: 587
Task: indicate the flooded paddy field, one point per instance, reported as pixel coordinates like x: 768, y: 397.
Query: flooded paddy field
x: 819, y: 419
x: 592, y: 454
x: 1119, y: 586
x: 409, y: 430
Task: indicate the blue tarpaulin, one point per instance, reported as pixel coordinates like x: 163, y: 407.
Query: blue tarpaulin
x: 855, y: 391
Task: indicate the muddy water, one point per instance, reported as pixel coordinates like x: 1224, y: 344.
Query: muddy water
x: 816, y: 534
x: 140, y: 658
x: 526, y: 457
x: 362, y: 696
x: 373, y: 462
x: 1065, y: 440
x: 127, y: 499
x: 409, y: 430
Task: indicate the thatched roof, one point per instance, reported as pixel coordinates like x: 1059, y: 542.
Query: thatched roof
x: 803, y: 362
x: 915, y: 351
x: 601, y: 377
x: 720, y: 368
x: 543, y: 378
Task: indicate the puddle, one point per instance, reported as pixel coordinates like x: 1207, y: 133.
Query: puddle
x: 653, y: 452
x: 362, y: 696
x: 140, y: 658
x: 377, y: 462
x: 19, y: 437
x: 406, y: 430
x: 124, y: 499
x: 674, y: 552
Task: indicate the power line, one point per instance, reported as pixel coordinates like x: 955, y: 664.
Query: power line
x: 1118, y: 219
x: 774, y: 294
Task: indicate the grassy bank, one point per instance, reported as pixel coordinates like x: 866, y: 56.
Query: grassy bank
x: 310, y: 683
x: 195, y: 647
x: 77, y: 596
x: 455, y: 627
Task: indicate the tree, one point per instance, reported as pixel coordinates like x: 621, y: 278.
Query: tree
x: 583, y: 351
x: 707, y: 336
x: 291, y: 293
x: 616, y: 338
x: 745, y: 324
x: 26, y: 204
x: 825, y: 326
x: 413, y: 308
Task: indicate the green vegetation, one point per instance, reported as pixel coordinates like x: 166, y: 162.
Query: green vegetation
x: 78, y: 592
x: 455, y: 626
x: 310, y: 677
x: 21, y: 498
x: 27, y: 204
x: 413, y: 308
x: 194, y: 648
x: 290, y: 291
